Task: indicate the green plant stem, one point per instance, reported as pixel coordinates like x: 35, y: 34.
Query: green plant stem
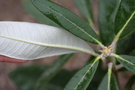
x: 109, y: 74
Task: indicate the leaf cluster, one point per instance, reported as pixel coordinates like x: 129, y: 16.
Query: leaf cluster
x: 115, y: 38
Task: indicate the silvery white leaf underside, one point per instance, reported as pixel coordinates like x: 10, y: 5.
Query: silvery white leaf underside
x: 28, y: 41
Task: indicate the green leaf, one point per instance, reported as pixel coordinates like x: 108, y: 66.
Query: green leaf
x: 66, y: 19
x: 107, y: 11
x: 96, y: 79
x: 26, y: 77
x: 85, y: 6
x: 29, y: 41
x: 113, y: 83
x: 127, y: 44
x: 52, y: 71
x: 83, y: 77
x: 109, y: 82
x: 125, y: 18
x: 127, y: 61
x: 37, y: 14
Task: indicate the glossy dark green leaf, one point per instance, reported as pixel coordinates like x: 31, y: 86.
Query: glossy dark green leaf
x: 37, y: 14
x: 52, y: 71
x: 107, y: 11
x: 96, y: 79
x: 125, y: 18
x: 113, y: 83
x: 83, y: 77
x: 66, y: 19
x: 85, y: 7
x: 128, y: 62
x: 26, y: 77
x: 126, y: 45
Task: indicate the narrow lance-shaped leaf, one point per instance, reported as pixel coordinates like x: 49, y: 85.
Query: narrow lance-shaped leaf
x: 127, y: 44
x: 125, y: 18
x: 66, y: 19
x: 30, y: 41
x: 85, y: 6
x: 127, y: 61
x: 95, y: 81
x: 109, y: 82
x: 107, y: 11
x: 83, y: 77
x: 52, y: 71
x: 113, y: 83
x: 37, y: 14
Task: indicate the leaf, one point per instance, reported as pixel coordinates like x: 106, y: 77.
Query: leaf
x: 28, y: 41
x: 127, y: 44
x: 96, y: 79
x: 107, y: 11
x: 109, y: 82
x: 125, y: 18
x: 85, y: 6
x: 113, y: 83
x: 66, y: 19
x: 37, y: 14
x: 127, y: 61
x: 52, y: 71
x: 83, y: 77
x: 25, y: 78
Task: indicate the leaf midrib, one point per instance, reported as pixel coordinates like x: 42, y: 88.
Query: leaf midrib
x: 86, y: 72
x: 48, y: 45
x: 121, y: 58
x: 74, y: 24
x: 124, y: 26
x: 109, y: 77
